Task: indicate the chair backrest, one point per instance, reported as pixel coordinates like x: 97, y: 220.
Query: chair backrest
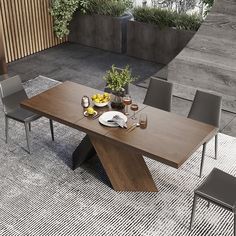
x: 10, y: 86
x: 12, y: 93
x: 159, y: 94
x: 206, y: 108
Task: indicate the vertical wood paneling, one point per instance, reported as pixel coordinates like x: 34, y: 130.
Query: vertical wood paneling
x: 27, y: 27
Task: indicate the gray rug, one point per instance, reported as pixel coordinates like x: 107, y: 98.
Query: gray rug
x: 41, y: 195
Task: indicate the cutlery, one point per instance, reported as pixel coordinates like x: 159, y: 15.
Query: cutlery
x: 99, y: 114
x: 132, y: 127
x: 119, y: 121
x: 110, y: 121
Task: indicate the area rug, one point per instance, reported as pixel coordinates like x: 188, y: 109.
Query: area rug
x: 41, y: 195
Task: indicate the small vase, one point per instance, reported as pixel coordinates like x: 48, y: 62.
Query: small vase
x: 117, y: 100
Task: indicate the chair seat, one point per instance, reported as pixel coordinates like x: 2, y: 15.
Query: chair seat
x: 220, y: 188
x: 23, y: 115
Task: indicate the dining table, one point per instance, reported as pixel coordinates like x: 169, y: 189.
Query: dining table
x: 168, y: 138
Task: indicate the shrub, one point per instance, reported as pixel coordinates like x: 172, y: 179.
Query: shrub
x: 108, y: 7
x: 208, y: 4
x: 167, y: 18
x: 188, y: 22
x: 63, y: 10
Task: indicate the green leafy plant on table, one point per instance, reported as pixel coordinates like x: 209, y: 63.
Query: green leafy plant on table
x: 117, y: 80
x: 167, y: 18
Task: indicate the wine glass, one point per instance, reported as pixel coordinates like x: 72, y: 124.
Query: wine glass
x: 134, y: 108
x: 127, y: 100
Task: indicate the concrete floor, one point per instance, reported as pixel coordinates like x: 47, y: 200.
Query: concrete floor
x: 87, y: 66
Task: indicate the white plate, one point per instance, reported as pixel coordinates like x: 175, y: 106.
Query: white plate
x: 108, y: 116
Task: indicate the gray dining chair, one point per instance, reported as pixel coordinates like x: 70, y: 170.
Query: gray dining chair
x: 12, y: 94
x: 206, y: 108
x: 218, y: 188
x: 159, y: 94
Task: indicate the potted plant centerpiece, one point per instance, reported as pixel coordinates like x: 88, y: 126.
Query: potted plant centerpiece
x: 118, y: 81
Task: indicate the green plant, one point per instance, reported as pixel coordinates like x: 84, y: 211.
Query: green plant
x: 62, y: 12
x: 188, y: 22
x: 113, y: 8
x: 208, y: 4
x: 167, y: 18
x: 117, y: 79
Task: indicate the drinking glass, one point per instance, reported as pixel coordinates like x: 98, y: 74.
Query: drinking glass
x: 127, y: 100
x: 143, y: 121
x: 134, y: 108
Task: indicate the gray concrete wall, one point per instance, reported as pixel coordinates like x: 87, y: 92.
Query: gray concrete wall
x: 104, y: 32
x: 149, y: 42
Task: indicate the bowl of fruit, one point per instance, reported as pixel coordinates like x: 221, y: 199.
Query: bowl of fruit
x: 101, y: 100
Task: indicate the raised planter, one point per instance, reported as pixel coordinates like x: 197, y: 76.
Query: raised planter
x: 104, y: 32
x: 149, y: 42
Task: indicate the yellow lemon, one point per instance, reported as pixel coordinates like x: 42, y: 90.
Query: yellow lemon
x: 106, y: 94
x: 94, y: 97
x: 97, y: 100
x: 90, y: 110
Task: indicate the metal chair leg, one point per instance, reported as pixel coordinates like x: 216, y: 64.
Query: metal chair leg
x: 51, y: 128
x: 193, y: 211
x: 203, y: 157
x: 6, y: 129
x: 208, y: 204
x: 216, y: 146
x: 234, y: 224
x: 27, y: 136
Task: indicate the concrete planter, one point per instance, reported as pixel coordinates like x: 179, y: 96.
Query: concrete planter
x: 151, y: 43
x: 104, y: 32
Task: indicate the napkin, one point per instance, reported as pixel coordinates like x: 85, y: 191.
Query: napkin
x: 118, y: 120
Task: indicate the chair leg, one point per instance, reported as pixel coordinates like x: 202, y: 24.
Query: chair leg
x: 203, y: 157
x: 216, y: 146
x: 27, y: 136
x: 234, y: 224
x: 29, y: 126
x: 51, y: 128
x: 193, y: 211
x: 208, y: 204
x: 6, y: 129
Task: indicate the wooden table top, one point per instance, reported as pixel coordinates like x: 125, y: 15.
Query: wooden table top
x: 168, y: 138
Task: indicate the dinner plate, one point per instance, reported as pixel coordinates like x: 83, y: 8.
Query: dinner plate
x: 108, y: 116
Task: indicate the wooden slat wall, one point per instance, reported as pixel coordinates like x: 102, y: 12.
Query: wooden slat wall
x: 27, y: 27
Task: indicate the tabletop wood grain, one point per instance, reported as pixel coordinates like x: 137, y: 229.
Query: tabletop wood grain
x: 168, y: 138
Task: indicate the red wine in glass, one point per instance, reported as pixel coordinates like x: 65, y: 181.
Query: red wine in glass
x: 127, y: 101
x: 134, y: 108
